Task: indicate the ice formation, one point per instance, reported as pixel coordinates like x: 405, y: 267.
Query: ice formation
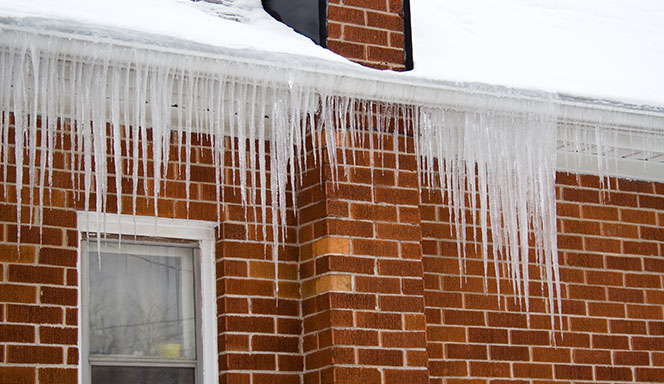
x: 498, y: 149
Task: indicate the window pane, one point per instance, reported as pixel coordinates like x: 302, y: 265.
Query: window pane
x: 143, y: 375
x: 141, y: 300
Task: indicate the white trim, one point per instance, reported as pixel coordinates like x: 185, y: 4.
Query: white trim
x: 201, y: 231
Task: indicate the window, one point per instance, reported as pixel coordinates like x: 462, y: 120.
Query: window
x: 147, y: 303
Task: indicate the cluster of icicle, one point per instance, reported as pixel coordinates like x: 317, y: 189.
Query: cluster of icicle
x: 109, y: 93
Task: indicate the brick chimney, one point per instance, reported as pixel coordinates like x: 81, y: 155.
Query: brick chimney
x: 374, y: 33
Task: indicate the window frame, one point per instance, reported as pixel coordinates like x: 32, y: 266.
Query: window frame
x: 202, y: 233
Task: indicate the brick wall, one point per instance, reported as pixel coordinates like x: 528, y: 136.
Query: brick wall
x: 612, y: 269
x: 361, y: 270
x: 370, y: 289
x: 369, y: 32
x: 259, y: 334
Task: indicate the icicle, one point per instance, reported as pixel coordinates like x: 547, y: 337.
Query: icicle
x: 495, y: 159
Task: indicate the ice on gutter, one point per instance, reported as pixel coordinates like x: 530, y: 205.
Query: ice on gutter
x: 507, y: 137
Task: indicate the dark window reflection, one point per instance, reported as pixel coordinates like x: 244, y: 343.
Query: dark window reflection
x: 307, y: 17
x: 143, y: 375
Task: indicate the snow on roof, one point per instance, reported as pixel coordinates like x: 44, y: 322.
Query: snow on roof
x: 602, y: 49
x: 608, y: 49
x: 240, y: 24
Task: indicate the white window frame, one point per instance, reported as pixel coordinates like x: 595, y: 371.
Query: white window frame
x: 195, y: 230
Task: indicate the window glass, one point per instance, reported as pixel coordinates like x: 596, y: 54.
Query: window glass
x: 161, y: 375
x: 141, y: 305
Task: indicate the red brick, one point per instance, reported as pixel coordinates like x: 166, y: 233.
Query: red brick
x: 589, y: 356
x: 573, y: 372
x: 613, y: 374
x: 345, y: 14
x: 463, y: 317
x: 349, y: 50
x: 58, y: 335
x: 378, y: 320
x: 389, y: 55
x: 399, y: 268
x: 442, y: 368
x: 599, y: 213
x: 587, y: 292
x: 511, y: 320
x: 58, y: 256
x: 651, y: 202
x: 624, y: 263
x: 26, y: 354
x: 403, y: 339
x: 601, y: 244
x: 581, y: 226
x: 248, y: 324
x: 649, y: 375
x: 17, y: 333
x: 365, y: 35
x: 356, y: 375
x: 530, y: 370
x: 380, y: 357
x: 355, y: 337
x: 644, y: 312
x: 347, y: 228
x: 606, y: 309
x: 373, y: 212
x: 275, y: 343
x: 640, y: 248
x: 529, y: 337
x: 648, y: 343
x: 17, y: 375
x: 638, y: 216
x: 377, y: 284
x: 15, y: 293
x: 402, y: 232
x: 628, y: 327
x: 466, y: 351
x: 585, y: 324
x: 405, y: 376
x: 656, y: 328
x: 626, y: 295
x: 580, y: 195
x: 375, y: 248
x: 352, y: 301
x: 489, y: 369
x: 553, y: 355
x: 253, y: 361
x: 387, y: 21
x: 34, y: 314
x: 396, y: 196
x: 630, y: 358
x: 380, y: 5
x: 61, y: 296
x: 248, y: 287
x: 57, y: 375
x: 642, y: 281
x: 401, y: 304
x: 499, y: 352
x: 487, y: 335
x: 36, y: 274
